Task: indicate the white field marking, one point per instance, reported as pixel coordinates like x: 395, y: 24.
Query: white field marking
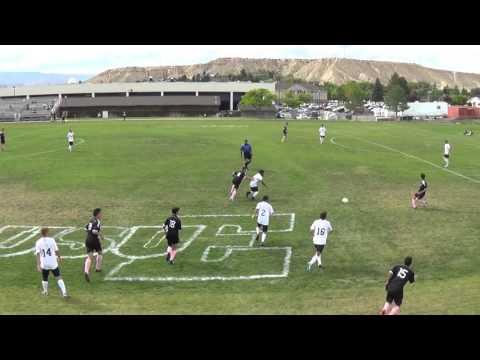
x: 332, y: 140
x: 31, y: 230
x: 80, y: 142
x: 224, y: 126
x: 228, y: 252
x: 283, y: 274
x: 420, y: 159
x: 147, y: 244
x: 133, y: 230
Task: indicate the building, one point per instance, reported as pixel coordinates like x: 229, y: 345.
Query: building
x: 119, y: 94
x: 319, y: 95
x: 463, y: 112
x: 475, y: 101
x: 435, y: 109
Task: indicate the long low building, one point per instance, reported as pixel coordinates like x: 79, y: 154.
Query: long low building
x: 229, y: 93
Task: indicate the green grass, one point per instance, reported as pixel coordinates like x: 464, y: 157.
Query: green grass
x: 137, y: 170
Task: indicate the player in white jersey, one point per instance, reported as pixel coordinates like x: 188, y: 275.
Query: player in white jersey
x: 320, y: 230
x: 257, y: 178
x: 323, y: 132
x: 46, y: 251
x: 447, y: 149
x: 263, y: 211
x: 70, y: 140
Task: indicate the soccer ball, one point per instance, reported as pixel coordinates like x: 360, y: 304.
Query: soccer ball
x: 344, y: 200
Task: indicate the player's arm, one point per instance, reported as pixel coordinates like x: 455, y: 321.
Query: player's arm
x: 389, y: 277
x: 57, y: 253
x: 39, y: 269
x: 165, y: 226
x: 255, y: 213
x: 263, y: 183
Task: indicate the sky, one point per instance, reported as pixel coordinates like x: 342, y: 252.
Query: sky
x: 93, y: 59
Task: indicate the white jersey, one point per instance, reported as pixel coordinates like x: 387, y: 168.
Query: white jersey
x: 255, y: 180
x: 47, y: 248
x: 446, y: 149
x: 320, y: 229
x: 322, y: 131
x: 70, y: 136
x: 265, y: 210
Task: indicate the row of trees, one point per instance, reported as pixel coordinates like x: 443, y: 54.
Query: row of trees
x: 263, y: 97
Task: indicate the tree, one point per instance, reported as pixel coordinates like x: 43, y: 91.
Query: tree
x: 305, y: 97
x: 291, y: 100
x: 354, y: 95
x: 377, y: 92
x: 459, y: 100
x: 400, y: 81
x: 396, y: 99
x: 258, y: 98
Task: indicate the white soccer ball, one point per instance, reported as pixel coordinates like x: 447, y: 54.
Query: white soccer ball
x: 344, y: 200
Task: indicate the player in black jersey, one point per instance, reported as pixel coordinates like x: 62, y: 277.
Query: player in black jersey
x: 420, y: 194
x: 93, y: 244
x: 237, y: 179
x: 398, y: 276
x: 285, y: 132
x: 172, y: 226
x: 2, y: 139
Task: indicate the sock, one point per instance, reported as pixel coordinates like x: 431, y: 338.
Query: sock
x: 88, y: 262
x: 45, y: 286
x: 319, y: 259
x: 169, y: 250
x: 312, y: 261
x: 264, y: 236
x: 234, y: 192
x: 98, y: 264
x: 70, y: 148
x: 254, y: 194
x: 413, y: 203
x: 62, y: 287
x: 386, y: 308
x: 174, y: 253
x: 258, y: 230
x: 395, y: 310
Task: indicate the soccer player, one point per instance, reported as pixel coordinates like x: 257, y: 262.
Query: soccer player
x: 124, y: 114
x: 46, y: 252
x: 93, y: 244
x: 398, y: 276
x: 285, y: 132
x: 70, y: 139
x: 258, y: 177
x: 238, y: 177
x: 2, y: 139
x: 320, y: 230
x: 420, y: 194
x: 323, y: 132
x: 263, y: 211
x: 246, y: 153
x: 172, y: 226
x: 447, y: 149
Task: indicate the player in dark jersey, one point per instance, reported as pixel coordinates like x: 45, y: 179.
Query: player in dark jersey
x: 237, y: 179
x: 246, y: 153
x: 420, y: 194
x: 397, y: 278
x: 2, y: 139
x: 93, y: 244
x: 285, y: 132
x: 172, y: 226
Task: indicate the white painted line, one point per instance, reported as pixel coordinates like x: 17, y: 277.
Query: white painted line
x: 81, y: 141
x: 332, y: 140
x: 420, y: 159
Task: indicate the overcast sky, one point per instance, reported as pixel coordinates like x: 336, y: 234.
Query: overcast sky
x: 92, y: 59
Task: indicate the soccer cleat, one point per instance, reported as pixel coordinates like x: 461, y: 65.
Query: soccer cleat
x: 168, y: 257
x: 171, y: 262
x: 257, y: 237
x: 87, y: 277
x: 66, y: 296
x: 45, y: 293
x: 98, y: 270
x: 309, y: 266
x: 262, y: 244
x: 320, y: 267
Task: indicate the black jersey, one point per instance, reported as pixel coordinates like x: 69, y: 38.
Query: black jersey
x: 400, y: 275
x: 172, y: 225
x: 2, y: 136
x: 423, y: 186
x: 93, y: 229
x: 238, y: 176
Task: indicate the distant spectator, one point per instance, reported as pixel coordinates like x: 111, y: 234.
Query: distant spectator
x: 468, y: 132
x: 124, y: 116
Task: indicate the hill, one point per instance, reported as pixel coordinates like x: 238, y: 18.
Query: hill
x: 333, y: 70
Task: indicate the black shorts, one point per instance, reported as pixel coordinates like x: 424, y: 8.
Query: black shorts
x: 264, y: 228
x: 322, y: 136
x: 2, y: 141
x: 420, y: 196
x: 247, y: 156
x: 70, y: 143
x: 236, y: 184
x: 319, y: 248
x: 93, y: 245
x: 172, y: 239
x: 395, y: 296
x: 446, y: 156
x: 55, y: 272
x: 254, y: 189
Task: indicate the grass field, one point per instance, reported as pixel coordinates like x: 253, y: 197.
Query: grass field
x: 137, y: 170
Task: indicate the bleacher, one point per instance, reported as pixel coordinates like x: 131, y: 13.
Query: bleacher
x: 27, y: 110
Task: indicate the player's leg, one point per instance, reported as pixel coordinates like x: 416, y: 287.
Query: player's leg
x: 264, y: 234
x: 173, y: 253
x: 60, y: 282
x: 169, y: 251
x: 99, y: 260
x: 233, y: 192
x: 387, y: 307
x: 254, y: 192
x: 257, y: 229
x: 395, y: 310
x: 414, y: 201
x: 319, y: 255
x: 45, y: 281
x: 313, y: 259
x: 446, y: 160
x: 88, y: 264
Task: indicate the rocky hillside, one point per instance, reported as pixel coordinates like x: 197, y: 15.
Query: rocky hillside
x: 333, y: 69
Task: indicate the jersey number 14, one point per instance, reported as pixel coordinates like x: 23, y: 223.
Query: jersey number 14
x: 48, y: 252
